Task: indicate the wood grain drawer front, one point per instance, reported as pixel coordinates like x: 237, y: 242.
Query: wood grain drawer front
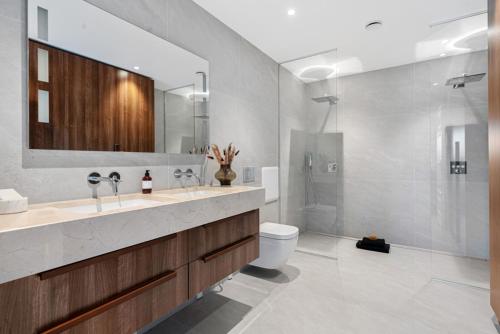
x: 105, y: 276
x: 217, y: 265
x: 38, y: 301
x: 208, y: 238
x: 169, y: 252
x: 130, y: 310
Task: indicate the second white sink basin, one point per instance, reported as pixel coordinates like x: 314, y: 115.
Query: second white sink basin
x: 115, y: 205
x: 193, y: 194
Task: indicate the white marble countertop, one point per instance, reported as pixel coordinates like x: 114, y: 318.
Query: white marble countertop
x: 51, y: 235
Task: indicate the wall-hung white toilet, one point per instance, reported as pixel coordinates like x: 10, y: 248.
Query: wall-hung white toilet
x: 277, y: 241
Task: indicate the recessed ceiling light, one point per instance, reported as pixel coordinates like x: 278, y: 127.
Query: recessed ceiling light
x: 318, y: 72
x: 442, y: 55
x: 374, y: 25
x: 291, y: 12
x: 137, y: 68
x: 435, y: 84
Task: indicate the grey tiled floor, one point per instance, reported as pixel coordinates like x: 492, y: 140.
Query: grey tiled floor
x: 361, y: 292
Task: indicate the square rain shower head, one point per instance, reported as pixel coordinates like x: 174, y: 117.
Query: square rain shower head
x: 460, y: 82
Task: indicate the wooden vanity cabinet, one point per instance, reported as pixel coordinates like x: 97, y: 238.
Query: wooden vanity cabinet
x: 117, y: 292
x: 210, y: 269
x: 219, y: 249
x: 122, y: 291
x: 212, y: 237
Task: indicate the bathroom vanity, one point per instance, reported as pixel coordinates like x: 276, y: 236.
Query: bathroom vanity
x: 66, y: 268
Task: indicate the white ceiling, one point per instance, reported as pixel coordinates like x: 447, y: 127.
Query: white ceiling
x: 321, y: 25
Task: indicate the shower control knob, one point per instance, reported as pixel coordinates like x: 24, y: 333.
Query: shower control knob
x: 332, y: 167
x: 458, y: 167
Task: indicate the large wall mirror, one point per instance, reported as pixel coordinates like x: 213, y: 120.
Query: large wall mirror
x: 99, y: 83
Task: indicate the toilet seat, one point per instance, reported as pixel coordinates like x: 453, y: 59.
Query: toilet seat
x: 278, y: 231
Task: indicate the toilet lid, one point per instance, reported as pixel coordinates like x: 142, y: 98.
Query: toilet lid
x: 278, y: 231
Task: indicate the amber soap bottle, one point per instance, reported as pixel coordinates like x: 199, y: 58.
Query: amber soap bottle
x: 147, y: 183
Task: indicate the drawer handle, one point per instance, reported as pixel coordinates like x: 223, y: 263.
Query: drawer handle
x: 119, y: 299
x: 221, y: 251
x: 84, y: 263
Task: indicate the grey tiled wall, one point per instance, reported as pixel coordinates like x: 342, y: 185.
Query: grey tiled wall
x: 396, y: 149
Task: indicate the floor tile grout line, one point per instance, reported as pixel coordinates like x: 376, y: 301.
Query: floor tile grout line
x: 329, y: 257
x: 467, y: 285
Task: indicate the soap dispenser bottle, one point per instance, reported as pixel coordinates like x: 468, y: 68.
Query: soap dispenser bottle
x: 147, y: 183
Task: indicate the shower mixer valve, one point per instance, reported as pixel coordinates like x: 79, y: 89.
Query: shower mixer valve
x: 458, y: 167
x: 332, y: 167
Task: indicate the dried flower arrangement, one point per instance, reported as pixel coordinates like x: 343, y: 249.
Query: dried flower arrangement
x: 225, y: 175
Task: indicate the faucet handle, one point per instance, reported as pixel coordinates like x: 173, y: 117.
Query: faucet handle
x: 178, y: 173
x: 94, y: 179
x: 115, y: 177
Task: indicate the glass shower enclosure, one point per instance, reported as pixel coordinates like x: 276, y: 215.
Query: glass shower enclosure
x: 392, y: 148
x: 310, y: 149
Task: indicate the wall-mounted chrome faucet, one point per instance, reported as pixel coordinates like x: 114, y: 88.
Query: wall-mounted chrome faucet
x: 113, y: 179
x: 178, y: 173
x: 94, y: 181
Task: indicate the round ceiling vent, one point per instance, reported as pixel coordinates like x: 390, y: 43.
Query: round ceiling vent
x: 374, y: 25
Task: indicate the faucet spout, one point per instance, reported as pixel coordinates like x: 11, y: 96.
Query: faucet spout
x: 198, y: 179
x: 93, y: 180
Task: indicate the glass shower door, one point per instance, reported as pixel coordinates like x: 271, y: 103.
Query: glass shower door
x: 310, y: 150
x: 458, y: 101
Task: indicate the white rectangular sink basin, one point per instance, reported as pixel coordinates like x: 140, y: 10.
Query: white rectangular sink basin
x: 193, y: 194
x: 115, y: 205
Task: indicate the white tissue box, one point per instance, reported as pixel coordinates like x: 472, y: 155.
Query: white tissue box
x: 12, y: 202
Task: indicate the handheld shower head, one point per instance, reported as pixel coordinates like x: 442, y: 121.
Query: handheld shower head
x: 309, y: 160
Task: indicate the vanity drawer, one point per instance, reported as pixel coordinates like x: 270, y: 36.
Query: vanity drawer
x: 210, y: 237
x: 153, y: 257
x: 138, y: 284
x: 220, y: 263
x: 79, y: 286
x: 131, y: 309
